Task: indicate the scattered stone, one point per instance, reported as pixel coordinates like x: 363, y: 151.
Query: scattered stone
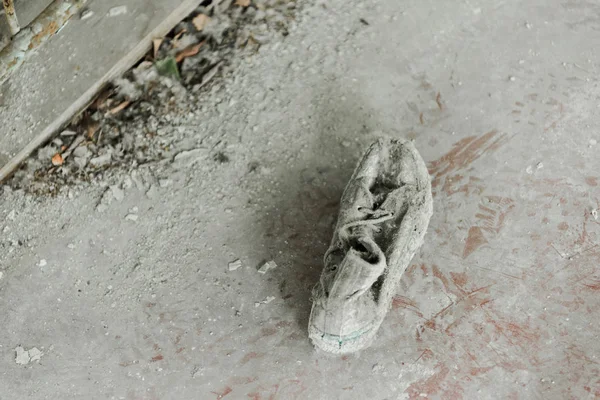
x: 115, y: 11
x: 152, y: 193
x: 22, y: 356
x: 71, y: 246
x: 139, y: 184
x: 42, y: 263
x: 68, y: 132
x: 188, y: 157
x: 117, y: 193
x: 529, y: 170
x: 86, y: 14
x: 377, y: 368
x: 105, y: 200
x: 539, y: 165
x: 101, y: 161
x: 235, y: 265
x: 35, y: 354
x: 1, y: 275
x: 131, y: 217
x: 11, y: 215
x: 595, y: 214
x: 163, y: 183
x: 267, y: 300
x: 269, y: 265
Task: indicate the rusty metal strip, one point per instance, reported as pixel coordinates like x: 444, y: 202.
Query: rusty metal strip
x: 11, y: 16
x: 29, y: 38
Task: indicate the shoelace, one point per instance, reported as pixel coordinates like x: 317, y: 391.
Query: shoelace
x: 379, y: 216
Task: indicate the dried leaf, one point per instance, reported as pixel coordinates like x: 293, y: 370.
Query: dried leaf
x: 175, y: 41
x: 57, y: 160
x: 188, y: 52
x: 242, y: 3
x: 200, y: 21
x: 101, y: 101
x: 156, y: 45
x: 92, y: 128
x: 119, y: 108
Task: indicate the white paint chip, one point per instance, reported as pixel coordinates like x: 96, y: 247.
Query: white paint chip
x: 24, y: 357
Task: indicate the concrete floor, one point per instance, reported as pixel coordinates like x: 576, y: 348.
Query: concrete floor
x: 502, y: 100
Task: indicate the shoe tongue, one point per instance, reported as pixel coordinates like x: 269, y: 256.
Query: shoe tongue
x: 363, y: 264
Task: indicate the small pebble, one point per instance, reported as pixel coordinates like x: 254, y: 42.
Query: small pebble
x: 85, y: 14
x: 131, y: 217
x: 235, y: 265
x: 269, y: 265
x: 115, y: 11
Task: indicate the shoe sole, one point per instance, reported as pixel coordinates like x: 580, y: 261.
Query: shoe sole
x: 417, y: 216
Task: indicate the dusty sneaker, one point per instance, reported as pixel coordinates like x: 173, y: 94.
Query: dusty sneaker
x: 384, y: 213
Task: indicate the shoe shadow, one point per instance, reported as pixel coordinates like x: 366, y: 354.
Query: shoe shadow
x: 302, y: 216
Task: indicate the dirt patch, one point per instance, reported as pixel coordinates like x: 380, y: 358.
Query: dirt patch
x: 151, y: 116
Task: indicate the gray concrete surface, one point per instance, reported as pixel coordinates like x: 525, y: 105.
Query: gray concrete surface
x: 501, y: 302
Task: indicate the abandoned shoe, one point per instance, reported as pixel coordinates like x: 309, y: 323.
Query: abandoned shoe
x: 384, y: 213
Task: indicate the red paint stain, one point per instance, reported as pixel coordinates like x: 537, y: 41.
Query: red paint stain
x: 427, y: 354
x: 463, y: 153
x: 242, y: 380
x: 522, y: 333
x: 480, y: 370
x: 491, y: 218
x: 563, y: 226
x: 157, y: 357
x: 591, y: 180
x: 475, y: 239
x: 593, y: 286
x: 284, y: 324
x: 405, y: 303
x: 224, y: 392
x: 459, y: 278
x: 250, y: 356
x: 431, y: 385
x: 269, y: 331
x: 453, y: 184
